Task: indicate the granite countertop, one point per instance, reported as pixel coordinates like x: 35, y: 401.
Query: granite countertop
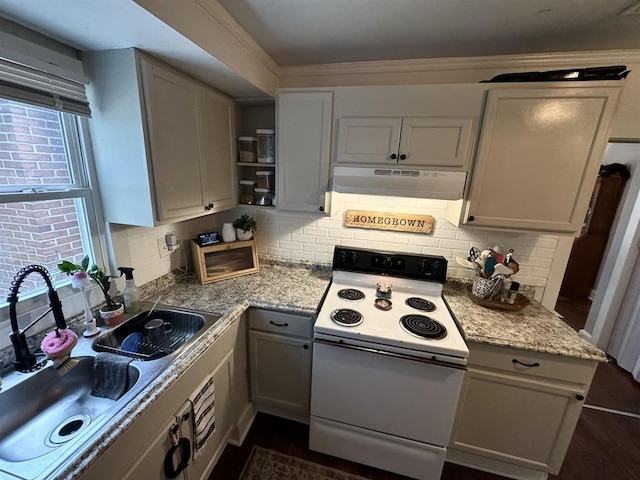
x: 534, y: 328
x: 298, y: 287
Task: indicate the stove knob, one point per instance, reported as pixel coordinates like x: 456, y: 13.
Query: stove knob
x: 354, y: 258
x: 425, y: 267
x: 343, y: 257
x: 387, y: 262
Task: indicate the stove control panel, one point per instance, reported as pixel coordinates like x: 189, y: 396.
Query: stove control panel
x: 423, y: 267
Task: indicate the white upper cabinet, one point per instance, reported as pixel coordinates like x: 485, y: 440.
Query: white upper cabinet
x: 303, y: 149
x: 217, y: 149
x: 539, y: 154
x: 163, y: 142
x: 442, y: 142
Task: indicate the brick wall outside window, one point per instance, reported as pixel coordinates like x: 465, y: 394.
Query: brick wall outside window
x: 32, y: 154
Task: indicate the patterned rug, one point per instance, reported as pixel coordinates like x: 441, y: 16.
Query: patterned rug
x: 264, y: 464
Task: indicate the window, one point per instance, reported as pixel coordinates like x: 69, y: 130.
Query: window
x: 47, y: 213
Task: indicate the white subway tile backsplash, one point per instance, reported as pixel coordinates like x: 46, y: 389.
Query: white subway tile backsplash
x: 341, y: 234
x: 309, y: 256
x: 319, y: 232
x: 454, y: 244
x: 290, y: 245
x: 329, y: 241
x: 424, y: 241
x: 279, y: 252
x: 314, y: 248
x: 313, y: 237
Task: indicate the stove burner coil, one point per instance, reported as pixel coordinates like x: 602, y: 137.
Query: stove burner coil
x: 420, y: 304
x: 346, y: 317
x: 423, y: 326
x: 350, y: 294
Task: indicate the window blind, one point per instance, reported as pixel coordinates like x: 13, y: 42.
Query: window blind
x: 25, y: 84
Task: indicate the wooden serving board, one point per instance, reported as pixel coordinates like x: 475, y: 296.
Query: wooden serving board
x: 520, y: 302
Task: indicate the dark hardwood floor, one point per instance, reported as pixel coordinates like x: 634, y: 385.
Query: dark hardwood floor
x: 605, y: 446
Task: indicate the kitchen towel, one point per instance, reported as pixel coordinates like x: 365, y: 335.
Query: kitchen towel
x: 110, y: 375
x: 204, y: 414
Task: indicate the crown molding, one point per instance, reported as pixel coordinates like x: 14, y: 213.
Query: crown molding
x: 431, y: 65
x: 226, y: 21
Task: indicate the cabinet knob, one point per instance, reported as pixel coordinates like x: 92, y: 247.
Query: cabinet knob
x: 471, y: 218
x: 208, y: 207
x: 393, y: 156
x: 403, y: 157
x: 579, y: 397
x: 321, y: 209
x: 306, y: 347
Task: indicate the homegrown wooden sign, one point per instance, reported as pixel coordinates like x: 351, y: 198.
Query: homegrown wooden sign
x: 400, y: 222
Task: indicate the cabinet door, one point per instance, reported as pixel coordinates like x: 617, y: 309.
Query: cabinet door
x: 539, y: 155
x: 217, y: 149
x: 527, y: 423
x: 368, y: 140
x: 150, y: 464
x: 171, y: 104
x: 280, y: 370
x: 303, y: 150
x: 225, y: 419
x: 436, y: 142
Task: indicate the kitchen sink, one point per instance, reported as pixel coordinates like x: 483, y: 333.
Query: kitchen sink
x: 131, y: 340
x: 49, y: 416
x: 49, y: 409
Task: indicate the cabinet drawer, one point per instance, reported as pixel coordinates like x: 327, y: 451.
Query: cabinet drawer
x: 545, y: 365
x: 281, y: 323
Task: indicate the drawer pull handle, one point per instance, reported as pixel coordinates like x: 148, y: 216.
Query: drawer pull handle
x: 278, y: 324
x: 306, y: 347
x: 515, y: 360
x: 579, y: 397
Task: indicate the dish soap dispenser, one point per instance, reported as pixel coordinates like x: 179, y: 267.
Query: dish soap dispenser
x: 130, y: 293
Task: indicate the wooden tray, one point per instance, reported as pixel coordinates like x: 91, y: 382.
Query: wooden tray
x: 520, y: 302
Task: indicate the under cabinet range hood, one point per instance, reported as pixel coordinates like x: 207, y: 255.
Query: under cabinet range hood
x: 401, y: 182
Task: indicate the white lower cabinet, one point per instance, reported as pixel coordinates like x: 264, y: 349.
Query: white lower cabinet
x: 280, y: 348
x: 518, y: 410
x: 140, y: 450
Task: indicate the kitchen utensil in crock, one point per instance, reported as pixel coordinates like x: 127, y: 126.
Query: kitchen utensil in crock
x: 501, y: 269
x: 466, y: 263
x: 489, y: 265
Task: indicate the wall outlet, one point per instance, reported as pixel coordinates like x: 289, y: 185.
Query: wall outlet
x: 162, y: 248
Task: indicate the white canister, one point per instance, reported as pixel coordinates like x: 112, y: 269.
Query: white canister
x: 228, y: 233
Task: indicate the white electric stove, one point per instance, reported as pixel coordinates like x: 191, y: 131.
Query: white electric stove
x: 388, y: 363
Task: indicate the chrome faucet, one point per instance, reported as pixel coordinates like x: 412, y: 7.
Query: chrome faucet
x: 25, y: 360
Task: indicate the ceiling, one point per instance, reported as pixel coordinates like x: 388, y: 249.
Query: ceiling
x: 306, y: 32
x: 303, y: 32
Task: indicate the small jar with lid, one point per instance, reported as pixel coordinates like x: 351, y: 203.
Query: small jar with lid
x: 245, y: 194
x: 264, y: 179
x: 263, y: 196
x: 266, y: 145
x: 247, y: 149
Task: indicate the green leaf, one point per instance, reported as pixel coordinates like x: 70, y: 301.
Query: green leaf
x: 85, y: 262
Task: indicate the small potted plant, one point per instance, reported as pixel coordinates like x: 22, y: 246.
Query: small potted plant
x: 112, y: 313
x: 245, y: 226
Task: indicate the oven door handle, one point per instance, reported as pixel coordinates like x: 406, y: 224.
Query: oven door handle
x: 431, y: 361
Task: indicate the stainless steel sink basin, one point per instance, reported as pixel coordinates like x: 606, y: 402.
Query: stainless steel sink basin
x: 184, y: 327
x: 48, y: 409
x: 48, y: 418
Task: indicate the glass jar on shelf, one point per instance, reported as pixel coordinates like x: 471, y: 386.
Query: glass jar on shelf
x: 266, y: 145
x: 263, y: 196
x: 247, y: 149
x: 245, y: 194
